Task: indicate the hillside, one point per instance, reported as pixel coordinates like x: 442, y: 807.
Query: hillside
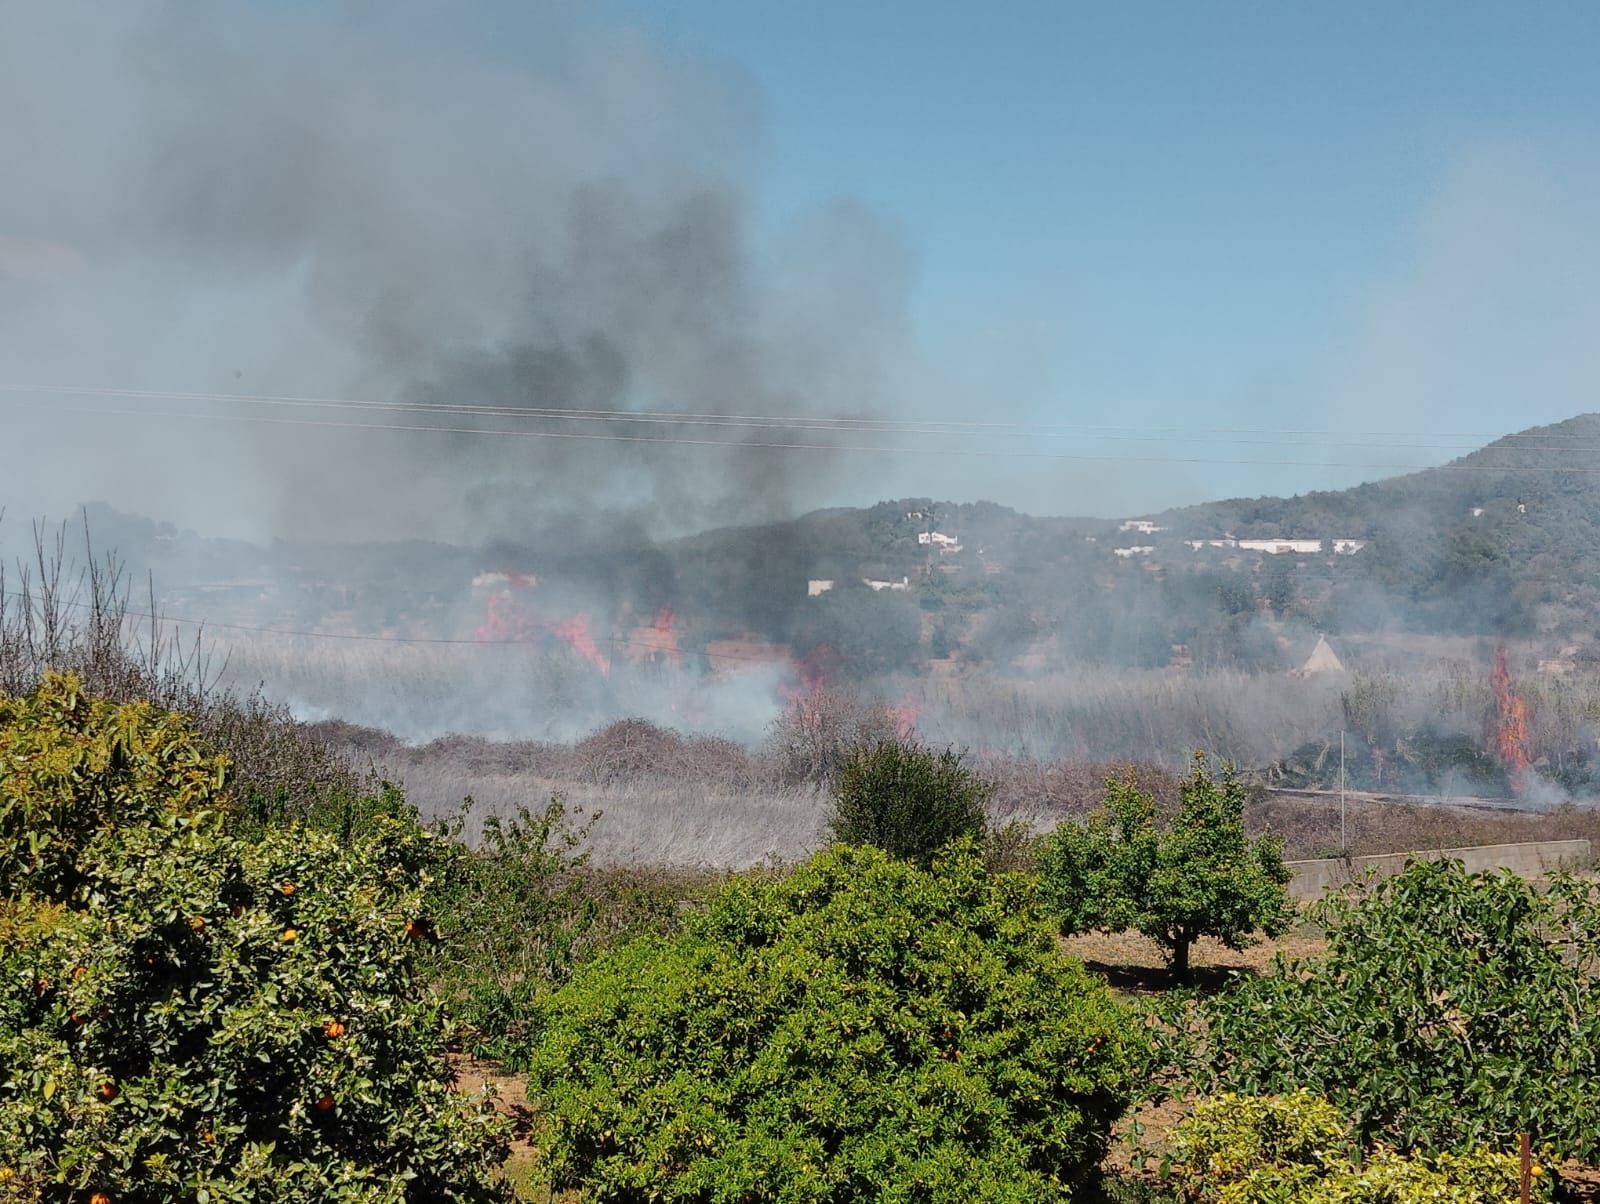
x: 1501, y: 543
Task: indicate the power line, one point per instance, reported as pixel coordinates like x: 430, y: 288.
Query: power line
x: 808, y: 421
x: 965, y: 452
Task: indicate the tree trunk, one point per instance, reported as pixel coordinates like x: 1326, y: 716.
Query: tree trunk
x: 1180, y: 957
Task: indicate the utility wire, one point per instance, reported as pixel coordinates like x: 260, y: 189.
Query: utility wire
x: 808, y: 421
x: 960, y: 452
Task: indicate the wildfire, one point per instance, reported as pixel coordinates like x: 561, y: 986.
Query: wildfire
x: 904, y: 715
x: 1510, y: 722
x: 504, y: 620
x: 657, y: 642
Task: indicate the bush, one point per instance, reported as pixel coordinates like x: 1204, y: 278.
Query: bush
x: 186, y: 1014
x: 907, y: 799
x: 1451, y: 1011
x: 857, y: 1030
x: 521, y: 911
x: 1278, y: 1149
x: 1201, y: 877
x: 57, y: 618
x: 818, y: 731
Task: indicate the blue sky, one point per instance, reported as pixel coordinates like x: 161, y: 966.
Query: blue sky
x: 1204, y: 225
x: 1229, y: 214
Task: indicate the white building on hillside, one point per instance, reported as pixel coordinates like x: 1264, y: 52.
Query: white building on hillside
x: 817, y: 586
x: 878, y: 586
x: 1144, y: 526
x: 1281, y: 547
x: 938, y: 539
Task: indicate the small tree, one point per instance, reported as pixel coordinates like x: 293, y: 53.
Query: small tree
x: 907, y: 799
x: 1202, y: 876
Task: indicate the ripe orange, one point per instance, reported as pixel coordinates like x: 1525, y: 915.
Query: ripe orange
x: 324, y: 1103
x: 413, y: 929
x: 333, y: 1030
x: 99, y: 1197
x: 287, y: 888
x: 79, y: 971
x: 108, y: 1091
x: 288, y: 935
x: 198, y: 923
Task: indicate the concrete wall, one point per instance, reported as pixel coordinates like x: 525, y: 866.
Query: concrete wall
x: 1312, y: 879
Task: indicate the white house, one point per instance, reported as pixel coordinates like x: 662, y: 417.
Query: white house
x: 878, y: 586
x: 817, y: 586
x: 1348, y: 547
x: 1279, y: 547
x: 1144, y: 526
x: 1137, y: 550
x: 938, y: 539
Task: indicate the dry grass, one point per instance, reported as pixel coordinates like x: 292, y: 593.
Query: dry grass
x: 1310, y: 826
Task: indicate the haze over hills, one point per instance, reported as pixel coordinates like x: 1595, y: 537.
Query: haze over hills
x: 1503, y: 542
x: 1141, y: 637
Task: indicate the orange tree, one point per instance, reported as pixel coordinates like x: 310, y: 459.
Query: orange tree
x: 1200, y: 876
x: 185, y: 1014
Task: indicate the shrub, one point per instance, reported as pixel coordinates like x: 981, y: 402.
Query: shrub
x: 907, y: 799
x: 818, y: 731
x: 187, y: 1014
x: 521, y: 911
x: 1277, y: 1149
x: 61, y: 617
x: 858, y: 1030
x: 1202, y: 876
x: 1451, y: 1011
x: 72, y: 768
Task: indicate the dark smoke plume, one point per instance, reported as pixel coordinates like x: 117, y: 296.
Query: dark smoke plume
x: 257, y: 200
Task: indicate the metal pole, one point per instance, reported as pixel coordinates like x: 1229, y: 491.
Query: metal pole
x: 1344, y: 843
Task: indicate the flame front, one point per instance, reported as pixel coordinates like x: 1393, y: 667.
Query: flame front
x: 1510, y: 722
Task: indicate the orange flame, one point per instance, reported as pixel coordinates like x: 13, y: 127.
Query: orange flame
x: 665, y: 637
x: 1510, y: 721
x: 505, y: 622
x: 904, y: 715
x: 574, y: 632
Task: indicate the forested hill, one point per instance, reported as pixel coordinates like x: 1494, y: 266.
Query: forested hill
x: 1551, y: 471
x: 1503, y: 542
x: 1505, y: 538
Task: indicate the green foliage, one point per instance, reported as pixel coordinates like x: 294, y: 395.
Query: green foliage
x: 1202, y: 876
x: 1452, y: 1010
x: 71, y: 767
x: 1298, y: 1148
x: 192, y: 1015
x: 857, y: 1030
x: 523, y: 909
x: 907, y: 799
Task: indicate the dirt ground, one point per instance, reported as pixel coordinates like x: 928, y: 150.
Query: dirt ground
x: 1133, y: 964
